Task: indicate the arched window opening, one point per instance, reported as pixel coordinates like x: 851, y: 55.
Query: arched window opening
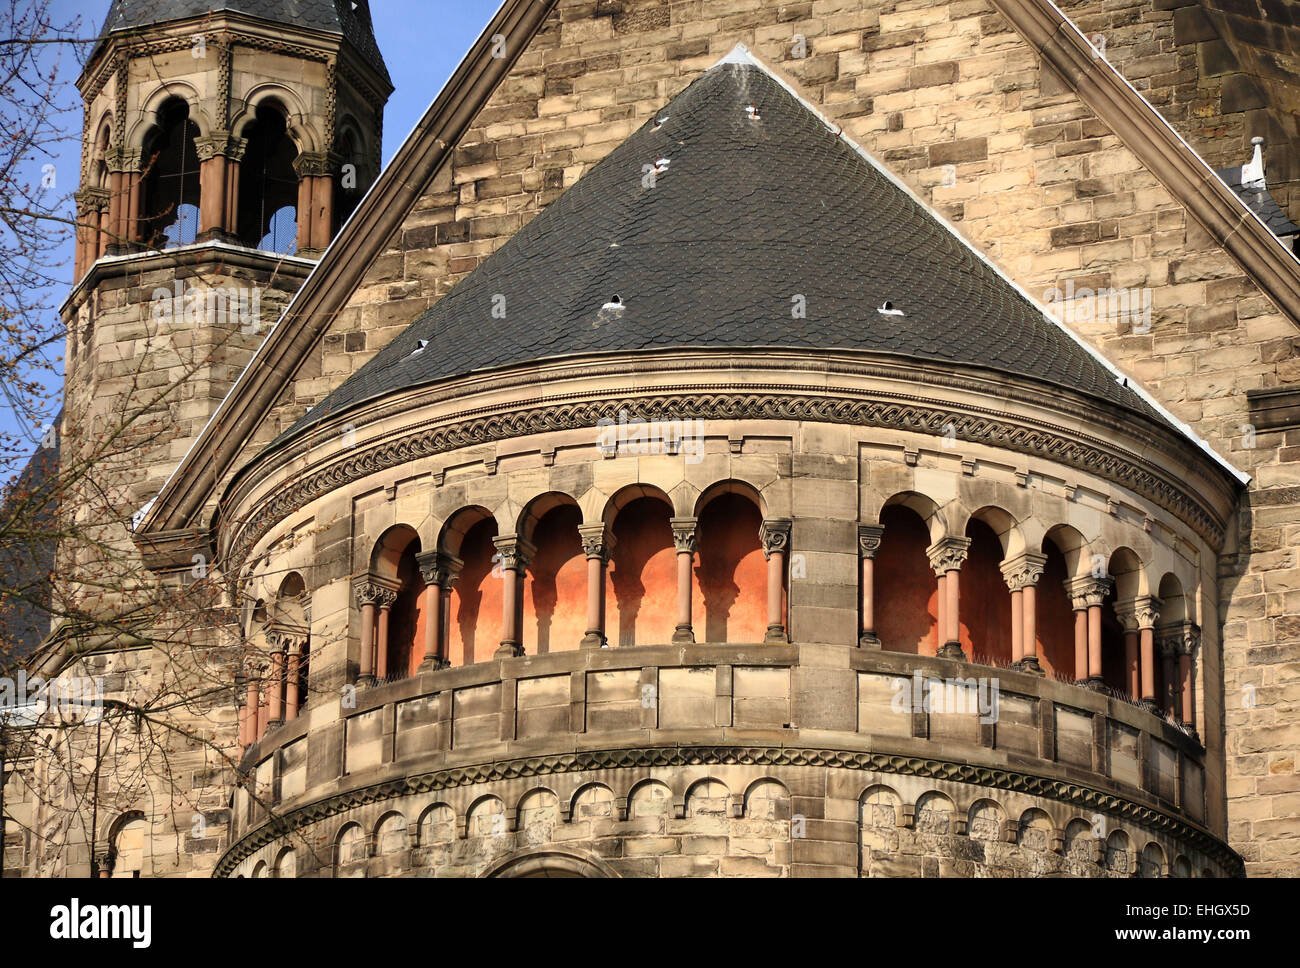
x: 907, y: 612
x: 128, y: 848
x: 641, y: 588
x: 406, y: 624
x: 475, y: 609
x: 732, y: 573
x: 555, y: 593
x: 350, y: 186
x: 268, y: 186
x: 171, y: 184
x: 985, y: 598
x: 1054, y: 616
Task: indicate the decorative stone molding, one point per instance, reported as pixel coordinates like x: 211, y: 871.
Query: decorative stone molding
x: 288, y: 638
x: 221, y: 143
x: 1189, y: 642
x: 1023, y: 570
x: 1056, y: 444
x: 1146, y: 609
x: 869, y: 539
x: 1061, y: 790
x: 774, y: 535
x: 1126, y: 614
x: 310, y: 164
x: 375, y: 591
x: 948, y: 554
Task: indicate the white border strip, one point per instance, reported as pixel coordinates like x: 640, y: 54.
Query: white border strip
x: 741, y: 54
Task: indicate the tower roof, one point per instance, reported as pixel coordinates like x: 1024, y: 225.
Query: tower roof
x: 762, y: 227
x: 350, y: 18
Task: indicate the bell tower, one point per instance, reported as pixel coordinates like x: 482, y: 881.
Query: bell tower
x: 223, y: 145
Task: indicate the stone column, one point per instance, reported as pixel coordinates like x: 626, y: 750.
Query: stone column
x: 262, y: 704
x: 1022, y: 574
x: 315, y: 200
x: 946, y: 558
x: 436, y: 568
x: 381, y: 636
x: 124, y: 199
x: 105, y: 860
x: 275, y: 713
x: 515, y: 554
x: 869, y: 538
x: 234, y: 159
x: 774, y: 535
x: 1126, y: 612
x: 288, y: 642
x: 1087, y: 595
x: 597, y: 545
x: 92, y: 203
x: 242, y: 702
x: 1187, y: 648
x: 685, y: 541
x: 1147, y: 609
x: 372, y: 595
x: 217, y: 153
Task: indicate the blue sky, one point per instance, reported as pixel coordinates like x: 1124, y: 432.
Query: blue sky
x: 422, y: 42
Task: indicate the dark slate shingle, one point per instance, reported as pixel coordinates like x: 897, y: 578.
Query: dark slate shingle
x: 1259, y: 201
x: 748, y: 215
x: 334, y: 16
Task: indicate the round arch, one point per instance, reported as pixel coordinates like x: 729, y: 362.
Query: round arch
x: 549, y: 863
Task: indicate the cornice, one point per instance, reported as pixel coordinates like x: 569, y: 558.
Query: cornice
x: 1064, y: 791
x: 985, y: 425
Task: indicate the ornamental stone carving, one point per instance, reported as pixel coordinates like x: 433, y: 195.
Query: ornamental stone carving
x: 438, y: 568
x: 371, y: 591
x: 1023, y: 570
x: 1089, y: 591
x: 869, y: 538
x: 948, y: 554
x: 597, y: 540
x: 516, y: 553
x: 685, y: 539
x: 774, y: 535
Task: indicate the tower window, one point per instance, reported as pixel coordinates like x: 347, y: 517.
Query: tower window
x: 268, y: 188
x: 171, y: 185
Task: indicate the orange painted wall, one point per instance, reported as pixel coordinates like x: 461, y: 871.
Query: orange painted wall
x: 730, y: 601
x: 985, y: 605
x: 905, y: 586
x: 555, y: 589
x: 641, y: 587
x: 407, y: 618
x: 1055, y: 616
x: 475, y: 614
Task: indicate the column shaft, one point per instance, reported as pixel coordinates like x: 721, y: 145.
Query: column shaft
x: 366, y: 659
x: 1017, y: 625
x: 381, y: 643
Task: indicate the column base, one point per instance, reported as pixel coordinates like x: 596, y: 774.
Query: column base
x: 1150, y: 705
x: 366, y: 681
x: 594, y: 640
x: 951, y: 650
x: 868, y: 640
x: 684, y: 635
x: 274, y: 724
x: 1191, y: 731
x: 1095, y: 683
x: 509, y: 650
x: 217, y: 235
x: 776, y: 635
x: 432, y: 663
x: 1029, y: 664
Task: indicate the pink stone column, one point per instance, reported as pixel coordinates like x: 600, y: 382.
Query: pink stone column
x: 1169, y: 675
x: 262, y: 702
x: 1030, y: 661
x: 940, y: 612
x: 366, y: 669
x: 515, y: 555
x: 438, y: 570
x: 946, y: 558
x: 1080, y: 645
x: 774, y: 536
x: 685, y: 542
x: 381, y: 641
x: 275, y: 714
x: 1187, y: 684
x: 1017, y: 626
x: 597, y: 543
x: 292, y: 671
x: 869, y: 539
x: 1094, y: 643
x: 1147, y: 611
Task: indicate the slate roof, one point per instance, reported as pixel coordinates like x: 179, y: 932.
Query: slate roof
x: 747, y: 215
x: 351, y: 18
x: 1259, y: 201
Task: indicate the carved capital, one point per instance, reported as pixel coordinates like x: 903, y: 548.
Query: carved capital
x: 375, y: 591
x: 288, y: 638
x: 515, y: 552
x: 684, y: 535
x: 1126, y: 614
x: 1146, y: 608
x: 123, y: 159
x: 314, y: 163
x: 948, y: 554
x: 597, y: 540
x: 438, y: 567
x: 1190, y: 640
x: 1023, y: 570
x: 774, y: 535
x: 869, y: 538
x: 1088, y: 591
x: 220, y: 143
x: 1168, y: 641
x: 91, y: 200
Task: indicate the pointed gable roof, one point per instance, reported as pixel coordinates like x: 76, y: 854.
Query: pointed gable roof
x: 735, y: 218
